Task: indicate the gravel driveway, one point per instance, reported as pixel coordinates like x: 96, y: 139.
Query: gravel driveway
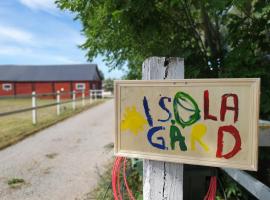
x: 59, y: 163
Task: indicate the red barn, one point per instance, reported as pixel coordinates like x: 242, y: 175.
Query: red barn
x: 23, y: 79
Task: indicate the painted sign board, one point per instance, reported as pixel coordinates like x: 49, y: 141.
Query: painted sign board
x: 212, y: 122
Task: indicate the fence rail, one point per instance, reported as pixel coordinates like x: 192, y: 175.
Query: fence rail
x: 41, y: 94
x: 93, y: 95
x: 254, y: 186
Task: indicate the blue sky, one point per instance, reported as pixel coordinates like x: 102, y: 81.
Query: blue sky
x: 37, y: 32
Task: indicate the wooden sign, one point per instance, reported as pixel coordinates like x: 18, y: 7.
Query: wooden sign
x: 211, y: 122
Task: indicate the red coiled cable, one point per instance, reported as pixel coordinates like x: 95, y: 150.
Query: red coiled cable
x: 116, y: 186
x: 211, y: 194
x: 130, y: 195
x: 118, y: 179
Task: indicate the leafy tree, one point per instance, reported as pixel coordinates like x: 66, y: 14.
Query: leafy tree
x: 108, y: 84
x: 225, y: 38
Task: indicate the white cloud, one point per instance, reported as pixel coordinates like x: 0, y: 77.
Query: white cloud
x: 17, y: 36
x: 8, y: 33
x: 29, y: 41
x: 8, y: 50
x: 44, y: 5
x: 36, y: 56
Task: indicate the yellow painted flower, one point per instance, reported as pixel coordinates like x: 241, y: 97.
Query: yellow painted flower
x: 133, y: 121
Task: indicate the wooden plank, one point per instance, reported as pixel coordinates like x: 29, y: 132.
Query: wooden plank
x: 255, y: 187
x: 162, y: 180
x: 226, y: 140
x: 31, y: 108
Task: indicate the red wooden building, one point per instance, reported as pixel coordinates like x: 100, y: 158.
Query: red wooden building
x: 23, y: 79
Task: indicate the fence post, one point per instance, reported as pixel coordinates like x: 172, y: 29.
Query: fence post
x: 101, y: 94
x: 34, y: 110
x: 93, y: 95
x: 162, y: 180
x: 90, y: 96
x: 83, y: 97
x: 73, y: 99
x: 58, y: 102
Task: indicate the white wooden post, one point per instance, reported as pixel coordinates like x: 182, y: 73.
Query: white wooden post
x: 90, y: 96
x: 162, y: 180
x: 83, y: 97
x: 74, y: 100
x: 94, y: 94
x: 58, y: 102
x: 34, y: 110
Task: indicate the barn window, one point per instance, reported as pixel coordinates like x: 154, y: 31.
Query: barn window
x: 80, y: 86
x: 7, y: 86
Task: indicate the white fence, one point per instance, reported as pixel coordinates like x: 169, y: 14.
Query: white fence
x: 76, y: 97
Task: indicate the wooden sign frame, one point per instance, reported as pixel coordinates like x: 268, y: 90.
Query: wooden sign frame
x: 253, y: 85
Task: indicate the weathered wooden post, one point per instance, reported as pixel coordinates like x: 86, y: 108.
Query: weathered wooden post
x: 34, y: 110
x: 73, y: 99
x: 162, y: 180
x: 83, y: 97
x: 58, y: 102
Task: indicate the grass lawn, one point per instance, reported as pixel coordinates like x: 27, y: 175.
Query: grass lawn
x: 14, y: 128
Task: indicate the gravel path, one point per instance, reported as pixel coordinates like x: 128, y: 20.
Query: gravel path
x: 61, y: 162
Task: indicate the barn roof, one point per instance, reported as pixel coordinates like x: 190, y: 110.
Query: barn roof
x: 77, y: 72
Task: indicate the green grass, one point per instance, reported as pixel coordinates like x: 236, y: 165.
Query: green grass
x: 16, y: 127
x: 16, y: 182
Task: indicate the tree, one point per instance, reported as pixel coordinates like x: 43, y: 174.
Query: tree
x: 216, y: 38
x: 108, y: 84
